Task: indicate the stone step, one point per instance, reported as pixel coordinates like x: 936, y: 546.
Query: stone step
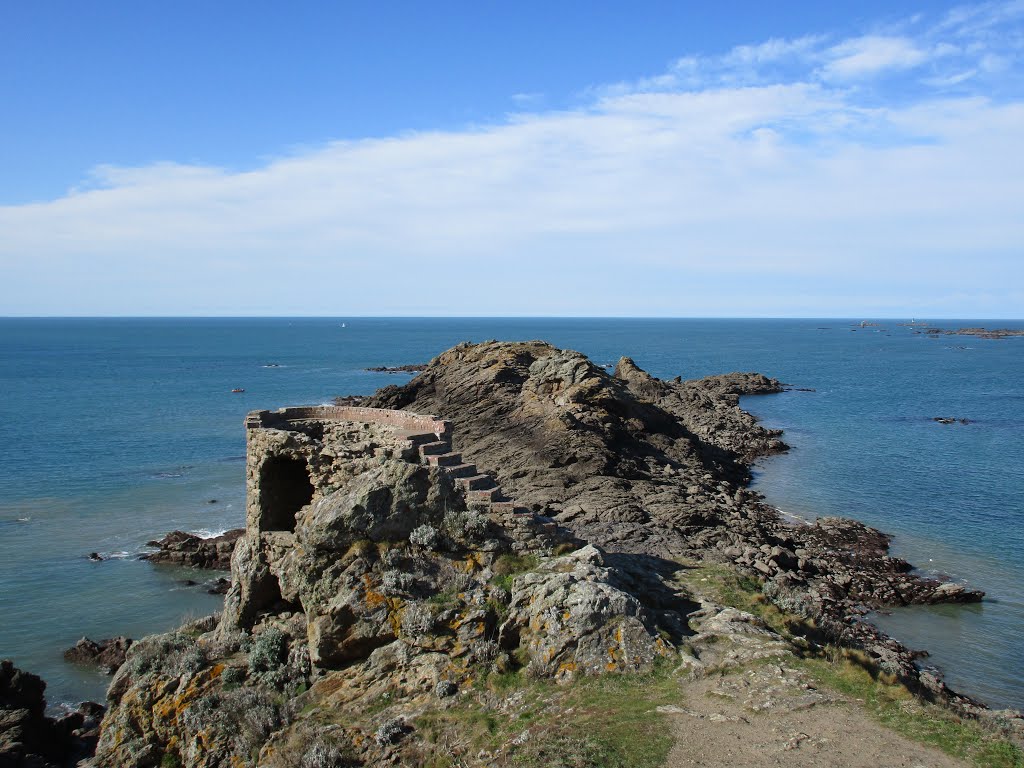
x: 434, y: 447
x: 423, y: 438
x: 461, y: 470
x: 503, y: 507
x: 487, y: 494
x: 444, y: 459
x: 478, y: 483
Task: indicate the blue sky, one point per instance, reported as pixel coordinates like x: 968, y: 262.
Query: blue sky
x: 665, y: 158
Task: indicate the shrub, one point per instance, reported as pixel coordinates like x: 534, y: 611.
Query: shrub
x: 425, y: 536
x: 173, y: 654
x: 396, y: 582
x: 267, y: 652
x: 417, y: 619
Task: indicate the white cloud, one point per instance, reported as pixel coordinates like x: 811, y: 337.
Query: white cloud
x: 691, y: 193
x: 867, y: 56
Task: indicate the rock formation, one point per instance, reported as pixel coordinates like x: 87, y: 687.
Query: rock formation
x: 180, y: 548
x: 30, y: 739
x: 375, y: 563
x: 636, y: 464
x: 107, y: 654
x: 390, y: 559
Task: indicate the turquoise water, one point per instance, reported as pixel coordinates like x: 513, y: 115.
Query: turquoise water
x: 115, y: 431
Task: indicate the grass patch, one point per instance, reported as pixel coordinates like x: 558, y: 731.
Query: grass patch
x: 507, y: 567
x: 726, y: 586
x: 600, y: 722
x: 446, y: 599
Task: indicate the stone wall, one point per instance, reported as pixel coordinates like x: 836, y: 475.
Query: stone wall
x: 403, y: 420
x: 295, y: 456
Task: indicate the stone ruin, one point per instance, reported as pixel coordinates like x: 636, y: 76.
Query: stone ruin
x: 296, y: 456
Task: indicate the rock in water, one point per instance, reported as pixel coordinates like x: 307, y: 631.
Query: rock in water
x: 180, y: 548
x: 31, y: 739
x: 107, y: 654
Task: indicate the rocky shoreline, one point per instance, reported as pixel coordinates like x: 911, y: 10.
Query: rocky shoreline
x: 189, y: 549
x: 411, y: 368
x: 541, y: 534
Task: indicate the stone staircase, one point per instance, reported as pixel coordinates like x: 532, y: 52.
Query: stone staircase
x: 484, y: 494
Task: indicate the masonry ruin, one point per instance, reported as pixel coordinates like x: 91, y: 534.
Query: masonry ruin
x: 296, y: 456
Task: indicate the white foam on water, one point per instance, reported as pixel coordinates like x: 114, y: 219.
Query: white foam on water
x: 206, y: 533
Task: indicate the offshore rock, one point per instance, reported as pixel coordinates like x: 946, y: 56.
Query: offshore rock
x: 107, y: 654
x: 181, y: 548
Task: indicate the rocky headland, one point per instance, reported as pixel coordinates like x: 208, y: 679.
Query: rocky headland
x: 403, y: 578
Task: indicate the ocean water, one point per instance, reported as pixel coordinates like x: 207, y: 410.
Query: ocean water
x: 115, y: 431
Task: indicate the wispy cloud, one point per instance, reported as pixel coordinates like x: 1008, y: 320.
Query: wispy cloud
x: 871, y: 55
x: 778, y: 178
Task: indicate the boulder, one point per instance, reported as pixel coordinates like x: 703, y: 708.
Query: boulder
x: 107, y: 654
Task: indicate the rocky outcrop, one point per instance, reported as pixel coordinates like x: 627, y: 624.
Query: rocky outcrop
x: 107, y: 654
x: 637, y: 464
x: 571, y: 617
x: 393, y: 560
x: 411, y: 368
x: 627, y: 461
x: 30, y: 739
x: 181, y: 548
x: 375, y: 563
x: 981, y: 333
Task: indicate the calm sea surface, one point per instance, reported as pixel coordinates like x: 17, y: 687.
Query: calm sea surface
x: 115, y: 431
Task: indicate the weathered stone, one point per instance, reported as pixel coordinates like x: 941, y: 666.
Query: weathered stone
x: 180, y: 548
x: 107, y: 654
x: 573, y: 620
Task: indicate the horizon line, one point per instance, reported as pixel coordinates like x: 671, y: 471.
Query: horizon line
x: 504, y: 317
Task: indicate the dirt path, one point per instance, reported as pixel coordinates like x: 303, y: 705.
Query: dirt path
x: 773, y: 716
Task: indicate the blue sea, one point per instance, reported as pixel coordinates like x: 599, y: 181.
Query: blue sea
x: 115, y: 431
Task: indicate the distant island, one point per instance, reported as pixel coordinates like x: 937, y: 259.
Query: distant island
x: 981, y: 333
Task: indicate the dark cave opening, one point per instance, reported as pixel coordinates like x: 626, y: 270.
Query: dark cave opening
x: 285, y: 488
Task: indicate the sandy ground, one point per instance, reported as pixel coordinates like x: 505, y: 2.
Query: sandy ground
x: 772, y: 716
